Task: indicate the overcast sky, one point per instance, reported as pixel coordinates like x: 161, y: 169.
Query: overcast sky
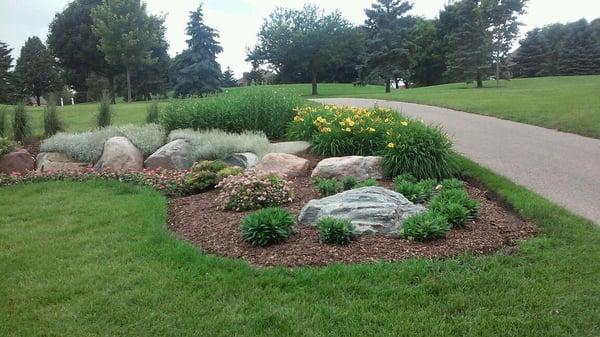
x: 238, y: 21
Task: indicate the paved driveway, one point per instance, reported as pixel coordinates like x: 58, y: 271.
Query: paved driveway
x: 563, y: 167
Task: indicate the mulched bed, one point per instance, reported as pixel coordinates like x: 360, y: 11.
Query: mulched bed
x: 197, y: 220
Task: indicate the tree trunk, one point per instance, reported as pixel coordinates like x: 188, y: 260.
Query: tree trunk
x: 497, y: 74
x: 315, y: 92
x: 479, y: 80
x: 128, y: 85
x: 113, y: 96
x: 397, y: 83
x: 388, y: 85
x: 37, y: 99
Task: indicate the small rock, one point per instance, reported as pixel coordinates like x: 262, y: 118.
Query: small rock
x: 19, y: 161
x: 57, y: 162
x: 244, y: 160
x: 290, y: 147
x: 285, y: 165
x: 362, y: 168
x: 372, y: 210
x: 120, y: 155
x: 176, y: 155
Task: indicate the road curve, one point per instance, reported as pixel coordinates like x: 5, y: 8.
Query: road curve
x: 563, y: 167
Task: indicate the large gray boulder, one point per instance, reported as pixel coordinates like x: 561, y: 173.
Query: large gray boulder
x: 57, y: 162
x: 120, y: 155
x: 176, y: 155
x: 372, y: 210
x: 284, y: 165
x: 244, y: 160
x: 290, y: 147
x: 362, y: 168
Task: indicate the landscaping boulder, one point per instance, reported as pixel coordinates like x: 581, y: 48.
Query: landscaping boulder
x: 19, y: 161
x: 244, y: 160
x: 362, y: 168
x: 176, y: 155
x: 120, y: 155
x: 372, y: 210
x: 283, y: 164
x: 57, y: 162
x: 290, y: 147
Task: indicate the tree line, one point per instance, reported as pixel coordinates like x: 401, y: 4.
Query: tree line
x: 116, y: 47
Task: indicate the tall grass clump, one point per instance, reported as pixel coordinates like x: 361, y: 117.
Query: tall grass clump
x: 52, y: 124
x: 88, y: 146
x: 21, y: 130
x: 265, y: 109
x: 217, y: 144
x: 152, y: 111
x: 104, y: 117
x: 3, y: 127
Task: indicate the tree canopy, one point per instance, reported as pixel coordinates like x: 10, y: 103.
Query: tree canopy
x: 7, y: 85
x: 36, y: 70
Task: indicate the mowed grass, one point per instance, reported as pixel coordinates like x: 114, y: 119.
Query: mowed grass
x: 95, y: 259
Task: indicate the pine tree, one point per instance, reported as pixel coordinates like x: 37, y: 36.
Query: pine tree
x: 532, y: 56
x: 36, y: 69
x: 196, y: 69
x: 228, y: 79
x: 578, y: 52
x: 6, y: 76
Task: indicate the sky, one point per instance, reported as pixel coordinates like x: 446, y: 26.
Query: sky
x: 238, y: 21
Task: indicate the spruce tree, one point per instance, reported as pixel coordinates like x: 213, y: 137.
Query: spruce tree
x: 36, y: 69
x: 578, y: 52
x: 6, y: 76
x: 228, y: 79
x: 196, y: 70
x: 532, y: 56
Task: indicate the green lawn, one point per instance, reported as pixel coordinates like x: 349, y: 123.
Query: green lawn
x: 95, y: 259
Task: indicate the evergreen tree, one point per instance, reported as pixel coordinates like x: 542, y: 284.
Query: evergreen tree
x: 6, y: 76
x: 196, y: 70
x: 429, y: 61
x: 578, y: 52
x: 532, y: 56
x: 389, y: 50
x: 36, y: 70
x: 228, y: 79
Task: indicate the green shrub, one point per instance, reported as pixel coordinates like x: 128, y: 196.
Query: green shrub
x: 52, y: 124
x: 368, y: 183
x: 328, y: 187
x: 460, y: 197
x: 209, y: 165
x: 217, y: 144
x: 152, y: 112
x: 406, y: 177
x: 268, y: 226
x: 251, y: 190
x: 425, y: 226
x: 336, y: 231
x: 349, y: 182
x: 451, y: 184
x: 3, y: 127
x: 228, y: 172
x: 6, y: 146
x: 21, y: 129
x: 255, y: 108
x: 418, y: 192
x: 104, y: 116
x: 207, y: 174
x: 421, y: 150
x: 88, y: 146
x: 455, y: 213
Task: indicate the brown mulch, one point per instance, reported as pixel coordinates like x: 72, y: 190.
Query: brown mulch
x: 33, y: 146
x: 197, y: 220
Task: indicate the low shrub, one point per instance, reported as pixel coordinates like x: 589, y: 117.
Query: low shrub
x: 207, y: 174
x: 104, y: 116
x: 6, y: 146
x: 21, y: 130
x: 328, y: 187
x: 336, y: 231
x: 227, y: 172
x: 424, y: 226
x: 461, y: 197
x: 268, y: 226
x: 456, y: 214
x: 52, y: 124
x: 416, y: 192
x: 88, y: 146
x: 349, y: 182
x: 250, y: 190
x: 368, y: 183
x: 217, y: 144
x: 255, y: 108
x: 451, y: 184
x: 3, y: 125
x: 152, y: 112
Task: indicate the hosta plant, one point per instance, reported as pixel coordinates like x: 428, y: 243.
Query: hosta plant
x: 336, y: 231
x: 425, y: 226
x: 268, y: 226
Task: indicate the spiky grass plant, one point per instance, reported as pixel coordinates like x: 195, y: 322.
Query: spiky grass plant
x: 21, y: 129
x: 52, y: 124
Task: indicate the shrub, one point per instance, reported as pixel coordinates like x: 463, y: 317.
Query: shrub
x: 328, y: 187
x: 455, y: 214
x: 424, y: 226
x: 228, y: 172
x: 255, y: 108
x: 152, y: 112
x: 217, y: 144
x: 251, y: 190
x: 451, y: 184
x: 460, y: 197
x: 349, y: 182
x: 268, y: 226
x: 6, y: 146
x: 418, y: 149
x: 3, y: 128
x: 416, y: 192
x: 21, y: 129
x: 336, y: 231
x: 207, y: 174
x: 52, y: 124
x: 88, y: 146
x: 104, y: 117
x: 368, y: 183
x: 406, y: 177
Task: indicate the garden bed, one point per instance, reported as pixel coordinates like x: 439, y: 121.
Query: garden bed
x: 199, y: 220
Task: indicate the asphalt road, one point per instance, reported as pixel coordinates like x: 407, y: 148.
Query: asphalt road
x: 563, y: 167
